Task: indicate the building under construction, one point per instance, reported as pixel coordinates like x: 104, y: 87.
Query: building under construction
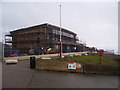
x: 44, y: 37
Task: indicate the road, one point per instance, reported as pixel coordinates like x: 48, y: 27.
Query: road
x: 21, y: 76
x: 0, y: 75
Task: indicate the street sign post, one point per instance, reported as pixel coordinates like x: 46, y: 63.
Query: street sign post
x: 100, y: 54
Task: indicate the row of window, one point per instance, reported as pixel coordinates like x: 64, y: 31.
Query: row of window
x: 57, y: 32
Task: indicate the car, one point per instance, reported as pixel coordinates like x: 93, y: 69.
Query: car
x: 11, y: 61
x: 14, y: 55
x: 50, y: 51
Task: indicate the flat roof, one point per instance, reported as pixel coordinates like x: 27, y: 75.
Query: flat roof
x: 45, y: 24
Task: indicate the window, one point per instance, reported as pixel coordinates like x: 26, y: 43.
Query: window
x: 38, y: 40
x: 48, y: 37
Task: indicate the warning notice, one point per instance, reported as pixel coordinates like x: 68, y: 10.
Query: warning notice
x: 74, y: 65
x: 71, y: 65
x: 78, y: 65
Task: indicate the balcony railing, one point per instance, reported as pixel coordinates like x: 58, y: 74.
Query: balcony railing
x: 8, y: 40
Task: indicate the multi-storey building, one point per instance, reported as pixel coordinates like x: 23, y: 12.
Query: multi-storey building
x: 42, y: 37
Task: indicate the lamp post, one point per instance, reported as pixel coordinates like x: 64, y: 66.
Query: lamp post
x: 60, y: 35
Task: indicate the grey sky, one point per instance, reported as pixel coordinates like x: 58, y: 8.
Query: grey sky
x: 95, y: 23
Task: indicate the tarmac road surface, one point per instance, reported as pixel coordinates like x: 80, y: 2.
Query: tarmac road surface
x: 0, y: 75
x: 21, y: 76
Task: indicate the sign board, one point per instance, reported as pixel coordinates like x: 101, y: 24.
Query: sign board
x: 100, y: 52
x: 74, y: 65
x: 71, y: 65
x: 78, y: 65
x: 56, y: 46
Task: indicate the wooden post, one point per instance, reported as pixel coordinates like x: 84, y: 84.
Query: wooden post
x: 83, y: 68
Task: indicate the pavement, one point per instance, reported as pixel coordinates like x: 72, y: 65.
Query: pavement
x: 17, y: 75
x: 21, y: 76
x: 47, y: 55
x: 0, y: 75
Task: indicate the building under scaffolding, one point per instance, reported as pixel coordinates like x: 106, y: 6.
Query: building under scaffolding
x: 43, y: 37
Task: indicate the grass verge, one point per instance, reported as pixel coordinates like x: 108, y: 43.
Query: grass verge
x: 90, y: 59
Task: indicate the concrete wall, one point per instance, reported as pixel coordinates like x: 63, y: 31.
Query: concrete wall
x: 100, y: 69
x: 54, y: 65
x: 60, y: 65
x: 51, y: 65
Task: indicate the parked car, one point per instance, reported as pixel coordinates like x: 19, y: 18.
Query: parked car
x: 14, y: 55
x: 49, y: 51
x: 11, y: 61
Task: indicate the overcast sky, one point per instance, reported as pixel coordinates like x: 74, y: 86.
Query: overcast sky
x: 96, y: 23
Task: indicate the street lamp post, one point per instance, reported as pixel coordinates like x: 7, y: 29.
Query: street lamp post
x: 60, y: 35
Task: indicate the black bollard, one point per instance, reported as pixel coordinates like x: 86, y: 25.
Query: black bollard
x: 32, y: 62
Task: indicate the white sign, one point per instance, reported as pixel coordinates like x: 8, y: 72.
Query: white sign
x: 71, y: 65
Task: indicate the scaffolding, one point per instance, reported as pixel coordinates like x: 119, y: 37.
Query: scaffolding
x: 42, y: 37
